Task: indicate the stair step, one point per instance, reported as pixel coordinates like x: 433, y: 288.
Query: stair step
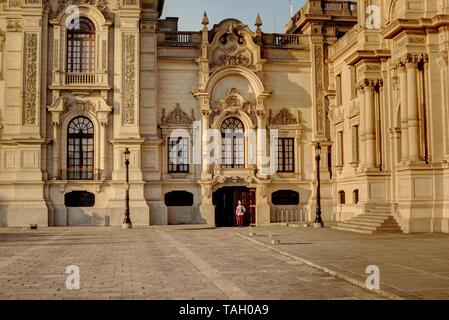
x: 357, y: 226
x: 342, y: 228
x: 372, y: 218
x: 379, y: 211
x: 362, y: 223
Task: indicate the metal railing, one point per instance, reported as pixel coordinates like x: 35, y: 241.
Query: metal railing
x: 285, y: 40
x: 80, y: 78
x: 81, y: 174
x: 178, y: 37
x: 288, y: 214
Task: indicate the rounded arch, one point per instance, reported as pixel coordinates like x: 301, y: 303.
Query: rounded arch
x: 254, y: 81
x: 242, y: 116
x: 391, y: 13
x: 64, y: 133
x: 82, y: 10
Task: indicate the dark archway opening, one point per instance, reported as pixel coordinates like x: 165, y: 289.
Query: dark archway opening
x: 225, y: 201
x: 79, y: 199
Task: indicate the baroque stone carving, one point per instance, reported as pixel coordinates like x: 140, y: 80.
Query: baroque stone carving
x: 232, y: 49
x: 148, y: 27
x: 176, y: 117
x: 284, y: 117
x: 320, y: 113
x: 14, y: 25
x: 233, y: 103
x: 30, y: 100
x: 129, y: 97
x: 396, y: 90
x: 15, y: 3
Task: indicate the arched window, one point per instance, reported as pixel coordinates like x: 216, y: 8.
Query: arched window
x: 80, y: 149
x: 233, y: 143
x: 81, y: 46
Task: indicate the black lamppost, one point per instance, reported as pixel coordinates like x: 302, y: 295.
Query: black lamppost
x: 127, y: 222
x: 318, y: 221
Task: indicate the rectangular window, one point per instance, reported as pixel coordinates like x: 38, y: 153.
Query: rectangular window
x: 340, y: 147
x: 286, y: 155
x: 355, y: 144
x: 178, y: 155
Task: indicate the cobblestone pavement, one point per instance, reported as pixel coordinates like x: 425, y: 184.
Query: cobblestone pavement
x: 412, y: 266
x: 174, y: 262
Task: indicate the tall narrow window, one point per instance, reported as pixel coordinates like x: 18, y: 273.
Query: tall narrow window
x: 81, y: 46
x: 353, y: 82
x: 233, y: 143
x: 340, y: 148
x: 178, y: 155
x: 285, y: 155
x: 80, y: 149
x: 339, y: 90
x: 342, y: 196
x: 355, y: 144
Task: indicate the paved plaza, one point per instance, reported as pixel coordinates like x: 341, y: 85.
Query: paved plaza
x: 195, y: 262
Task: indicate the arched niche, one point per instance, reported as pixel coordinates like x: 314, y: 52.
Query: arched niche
x: 253, y: 81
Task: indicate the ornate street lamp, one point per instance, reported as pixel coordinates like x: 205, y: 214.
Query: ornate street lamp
x: 318, y: 221
x: 127, y: 222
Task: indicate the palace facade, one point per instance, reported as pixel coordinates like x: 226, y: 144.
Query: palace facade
x: 225, y: 113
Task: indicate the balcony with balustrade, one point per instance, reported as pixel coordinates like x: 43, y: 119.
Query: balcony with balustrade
x: 80, y: 80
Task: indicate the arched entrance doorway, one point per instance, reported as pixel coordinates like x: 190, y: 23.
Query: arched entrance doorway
x: 225, y: 201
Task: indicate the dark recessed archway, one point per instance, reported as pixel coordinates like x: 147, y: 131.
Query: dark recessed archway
x: 79, y: 199
x: 285, y: 197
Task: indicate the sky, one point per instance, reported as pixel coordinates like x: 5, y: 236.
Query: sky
x: 274, y: 13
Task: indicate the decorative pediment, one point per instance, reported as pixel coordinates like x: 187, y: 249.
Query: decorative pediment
x: 284, y: 117
x: 67, y: 104
x: 233, y: 46
x: 233, y: 104
x: 177, y: 117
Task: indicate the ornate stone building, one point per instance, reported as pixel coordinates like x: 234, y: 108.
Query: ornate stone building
x: 82, y: 80
x: 388, y: 111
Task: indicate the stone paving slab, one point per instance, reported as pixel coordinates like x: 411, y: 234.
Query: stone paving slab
x: 412, y: 266
x: 173, y: 262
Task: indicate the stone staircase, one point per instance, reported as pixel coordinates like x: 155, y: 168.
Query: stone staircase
x: 376, y: 220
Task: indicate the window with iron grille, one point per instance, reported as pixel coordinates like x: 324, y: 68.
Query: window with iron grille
x: 178, y: 155
x: 233, y: 143
x: 81, y: 46
x: 286, y: 155
x: 80, y: 149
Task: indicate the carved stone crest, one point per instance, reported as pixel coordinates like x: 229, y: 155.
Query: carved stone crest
x: 176, y: 117
x: 14, y: 25
x: 231, y: 49
x: 284, y: 117
x: 233, y: 103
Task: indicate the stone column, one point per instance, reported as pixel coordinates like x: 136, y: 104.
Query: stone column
x: 404, y: 111
x: 413, y: 112
x: 204, y: 143
x: 56, y: 157
x: 103, y: 150
x: 370, y: 133
x: 361, y: 95
x: 262, y: 152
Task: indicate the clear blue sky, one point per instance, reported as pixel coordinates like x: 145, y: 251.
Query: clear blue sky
x: 274, y: 13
